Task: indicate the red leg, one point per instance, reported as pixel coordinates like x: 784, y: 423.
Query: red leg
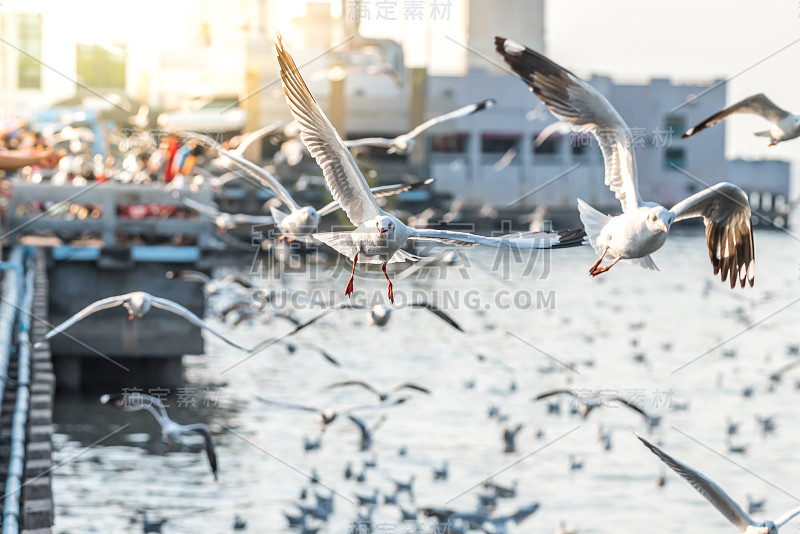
x: 281, y: 238
x: 773, y: 143
x: 601, y: 270
x: 391, y: 293
x: 594, y: 267
x: 349, y: 290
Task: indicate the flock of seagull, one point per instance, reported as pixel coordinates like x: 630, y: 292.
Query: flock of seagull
x: 379, y: 237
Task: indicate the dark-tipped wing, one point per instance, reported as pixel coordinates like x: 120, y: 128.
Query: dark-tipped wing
x: 756, y: 105
x: 177, y: 309
x: 342, y: 175
x: 209, y: 439
x: 581, y: 106
x: 729, y: 232
x: 707, y: 488
x: 438, y: 313
x: 409, y: 385
x: 556, y: 392
x: 463, y: 111
x: 358, y: 383
x: 379, y: 192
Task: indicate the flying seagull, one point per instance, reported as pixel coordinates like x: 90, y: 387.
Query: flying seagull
x: 587, y: 405
x: 785, y: 126
x: 171, y: 431
x: 211, y: 285
x: 379, y: 236
x: 138, y: 304
x: 328, y: 416
x: 302, y: 221
x: 224, y: 221
x: 403, y: 144
x: 717, y: 497
x: 642, y: 227
x: 382, y: 396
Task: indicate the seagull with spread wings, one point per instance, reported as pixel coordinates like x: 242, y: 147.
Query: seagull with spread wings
x: 138, y: 304
x: 785, y: 125
x: 328, y: 416
x: 642, y: 228
x: 222, y: 220
x: 719, y: 499
x: 382, y: 396
x: 378, y: 236
x: 171, y: 431
x: 587, y: 405
x: 302, y: 221
x: 403, y: 144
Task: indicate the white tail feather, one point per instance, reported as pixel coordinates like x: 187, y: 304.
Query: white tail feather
x: 593, y: 222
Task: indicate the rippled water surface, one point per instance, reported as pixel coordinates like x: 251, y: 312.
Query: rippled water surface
x: 626, y: 332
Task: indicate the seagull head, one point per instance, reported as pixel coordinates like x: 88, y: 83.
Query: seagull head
x: 659, y: 219
x: 769, y: 527
x: 384, y: 225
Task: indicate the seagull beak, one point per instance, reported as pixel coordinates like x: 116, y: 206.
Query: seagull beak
x: 383, y: 231
x: 664, y: 228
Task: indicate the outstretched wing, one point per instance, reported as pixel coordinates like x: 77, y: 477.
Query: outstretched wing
x: 287, y: 405
x: 252, y: 137
x: 414, y: 387
x: 177, y: 309
x: 438, y: 313
x: 455, y: 114
x: 729, y: 232
x: 342, y: 175
x: 380, y: 192
x: 102, y: 304
x: 523, y: 240
x: 369, y: 141
x: 209, y: 439
x: 359, y: 383
x: 581, y: 106
x: 756, y: 105
x: 707, y: 488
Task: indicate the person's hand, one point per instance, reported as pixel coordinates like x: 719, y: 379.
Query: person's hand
x: 49, y: 159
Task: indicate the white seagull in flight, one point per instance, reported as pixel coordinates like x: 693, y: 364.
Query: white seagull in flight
x: 378, y: 236
x: 171, y: 431
x: 785, y: 126
x: 137, y: 304
x: 403, y: 144
x: 301, y: 222
x: 642, y: 228
x: 717, y: 497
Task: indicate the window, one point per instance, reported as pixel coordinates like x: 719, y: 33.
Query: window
x: 449, y: 143
x: 548, y: 146
x: 29, y: 70
x: 675, y: 124
x: 498, y: 143
x: 102, y: 66
x: 674, y: 156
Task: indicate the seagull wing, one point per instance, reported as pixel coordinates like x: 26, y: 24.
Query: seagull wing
x: 190, y: 276
x: 321, y: 352
x: 557, y: 392
x: 632, y: 406
x: 525, y: 240
x: 729, y: 232
x: 177, y: 309
x: 558, y: 127
x: 252, y: 137
x: 264, y: 178
x: 438, y: 313
x: 209, y: 439
x: 580, y: 105
x: 409, y: 385
x: 455, y: 114
x: 756, y: 105
x: 102, y: 304
x: 369, y: 141
x: 342, y: 175
x: 199, y: 207
x: 287, y: 405
x: 782, y: 520
x: 380, y: 192
x: 708, y: 489
x: 359, y: 383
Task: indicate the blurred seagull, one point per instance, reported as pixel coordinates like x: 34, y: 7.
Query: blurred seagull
x: 138, y: 304
x: 587, y: 405
x: 642, y: 228
x: 366, y: 431
x: 403, y: 144
x: 719, y: 499
x: 210, y: 285
x: 379, y: 236
x: 171, y: 431
x: 785, y: 126
x: 301, y: 222
x: 381, y: 396
x: 328, y: 415
x: 225, y: 221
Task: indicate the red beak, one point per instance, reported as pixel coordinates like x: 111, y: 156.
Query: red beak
x: 664, y: 228
x: 383, y: 231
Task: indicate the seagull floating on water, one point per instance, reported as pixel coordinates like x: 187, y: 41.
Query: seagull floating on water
x: 642, y: 228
